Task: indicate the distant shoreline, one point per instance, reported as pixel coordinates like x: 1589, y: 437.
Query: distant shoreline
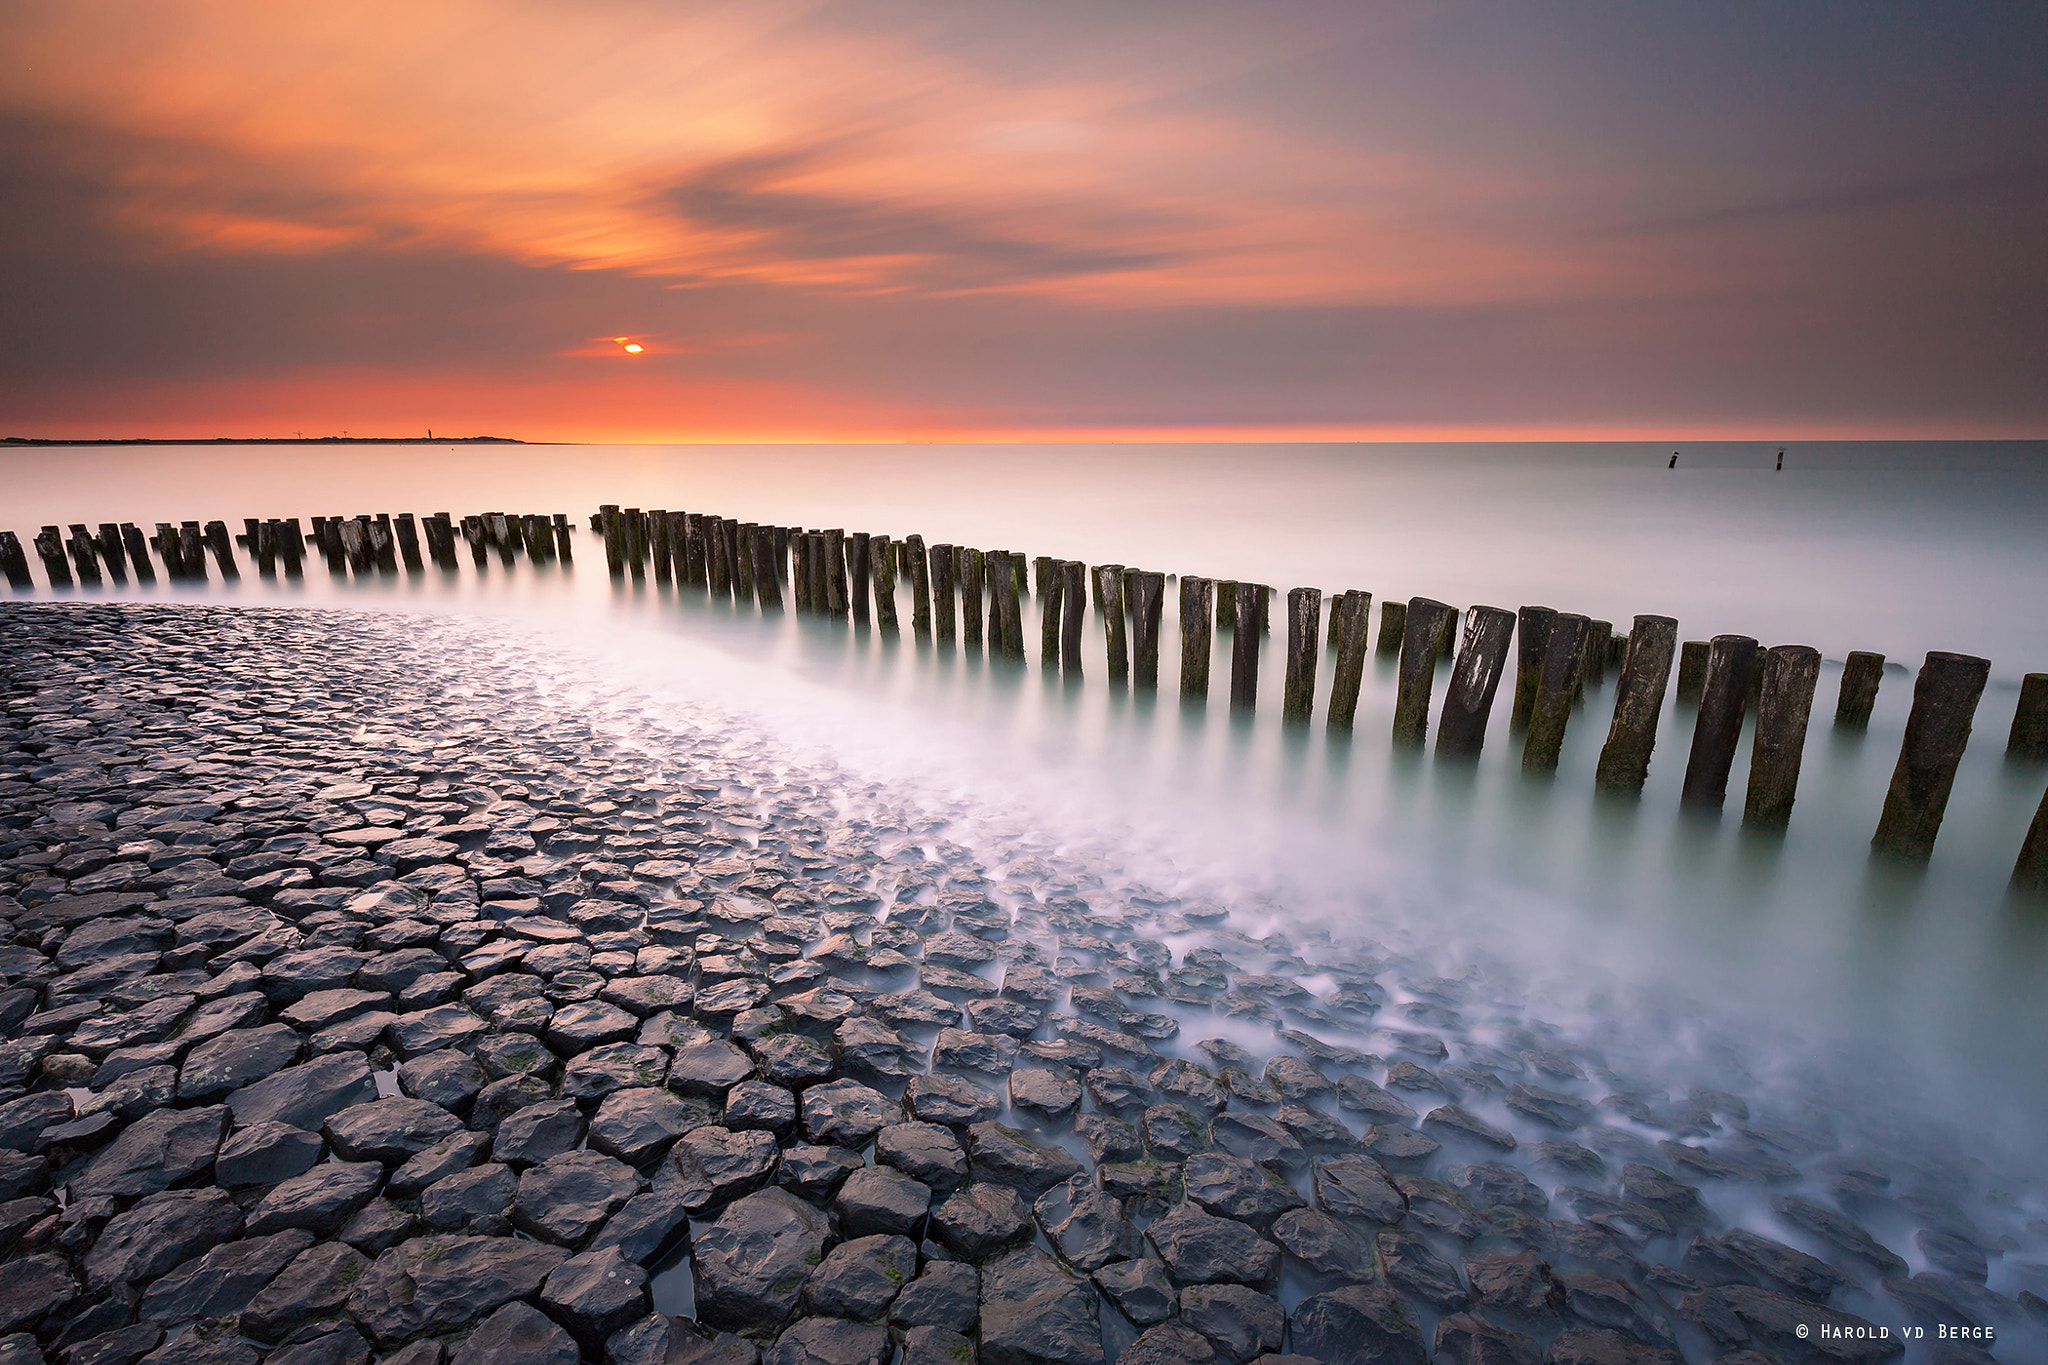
x: 263, y: 441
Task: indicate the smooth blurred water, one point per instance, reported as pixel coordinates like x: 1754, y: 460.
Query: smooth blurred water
x: 1802, y: 942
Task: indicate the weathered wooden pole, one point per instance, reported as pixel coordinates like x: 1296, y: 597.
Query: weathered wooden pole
x: 1073, y: 614
x: 1352, y: 615
x: 1593, y: 672
x: 561, y: 528
x: 821, y: 573
x: 1009, y: 615
x: 192, y: 540
x: 137, y: 546
x: 1532, y: 644
x: 1423, y: 626
x: 664, y: 544
x: 409, y: 542
x: 108, y: 543
x: 1244, y: 647
x: 1298, y: 693
x: 1393, y: 628
x: 1447, y: 638
x: 49, y: 543
x: 1475, y: 677
x: 944, y: 588
x: 85, y: 556
x: 835, y: 572
x: 972, y: 571
x: 13, y: 562
x: 1052, y: 593
x: 1226, y: 604
x: 378, y: 535
x: 1146, y: 610
x: 2029, y: 737
x: 1692, y: 670
x: 767, y: 582
x: 717, y: 557
x: 1044, y: 572
x: 859, y: 592
x: 1945, y: 697
x: 1564, y: 644
x: 1109, y: 588
x: 739, y: 552
x: 1790, y: 674
x: 223, y: 546
x: 1197, y: 604
x: 882, y: 559
x: 1862, y: 671
x: 1638, y: 705
x: 1724, y: 696
x: 614, y: 539
x: 355, y: 543
x: 920, y: 586
x: 2030, y: 870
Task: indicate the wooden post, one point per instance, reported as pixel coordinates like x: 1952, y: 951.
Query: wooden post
x: 614, y: 540
x: 738, y: 554
x: 1594, y: 672
x: 192, y: 540
x: 1724, y: 696
x: 409, y: 542
x: 1044, y: 573
x: 663, y: 540
x: 2030, y: 871
x: 782, y: 552
x: 1197, y: 604
x: 1532, y: 643
x: 920, y: 587
x: 137, y: 546
x: 1790, y: 674
x: 1353, y: 617
x: 858, y: 591
x: 820, y: 572
x: 562, y: 549
x: 85, y: 555
x: 13, y: 562
x: 767, y: 582
x: 355, y: 543
x: 944, y: 590
x: 108, y: 543
x: 995, y: 623
x: 882, y: 553
x: 800, y: 576
x: 1447, y: 638
x: 1564, y: 644
x: 971, y: 570
x: 223, y: 546
x: 1226, y: 604
x: 49, y: 543
x: 835, y: 573
x: 1692, y: 670
x: 1423, y: 626
x: 1945, y: 697
x: 1052, y: 593
x: 1145, y: 613
x: 1475, y: 677
x: 1109, y: 588
x: 717, y: 557
x: 2029, y: 737
x: 1073, y: 614
x: 1393, y: 628
x: 1638, y: 704
x: 383, y: 544
x: 1244, y: 647
x: 1862, y: 671
x: 1304, y: 614
x: 1009, y: 614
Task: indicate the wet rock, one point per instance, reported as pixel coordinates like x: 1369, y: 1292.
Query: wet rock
x: 877, y: 1199
x: 1004, y: 1156
x: 478, y: 1199
x: 1439, y: 1208
x: 867, y: 1048
x: 1360, y: 1096
x: 320, y: 1201
x: 1410, y: 1266
x: 752, y: 1262
x: 1086, y: 1225
x: 859, y: 1279
x: 951, y: 1100
x: 816, y: 1173
x: 1259, y: 1138
x: 1141, y: 1289
x: 1607, y: 1302
x: 124, y: 1346
x: 378, y: 1226
x: 757, y: 1104
x: 595, y: 1294
x: 639, y: 1124
x: 1518, y: 1285
x: 1945, y: 1252
x: 1600, y: 1346
x: 1450, y: 1123
x: 33, y: 1287
x: 456, y: 1152
x: 1749, y: 1257
x: 726, y: 1164
x: 154, y: 1153
x: 1841, y: 1233
x: 1108, y: 1139
x: 1241, y: 1323
x: 1356, y: 1188
x: 1169, y: 1344
x: 1199, y: 1248
x: 690, y: 1344
x: 221, y: 1283
x: 163, y: 1231
x: 518, y: 1334
x: 926, y: 1152
x: 1356, y: 1325
x: 1322, y: 1244
x: 846, y: 1113
x: 829, y: 1341
x: 1674, y: 1199
x: 1051, y: 1095
x: 566, y: 1197
x: 314, y: 1288
x: 1033, y: 1312
x: 1399, y: 1147
x: 1463, y: 1339
x: 305, y: 1096
x: 431, y: 1285
x: 1746, y: 1316
x: 391, y: 1131
x: 448, y: 1078
x: 933, y: 1345
x: 1174, y: 1132
x: 1155, y: 1182
x: 947, y: 1294
x: 343, y: 1346
x: 537, y: 1133
x: 980, y: 1220
x: 1117, y: 1090
x: 1490, y: 1185
x: 991, y: 1054
x: 1233, y: 1187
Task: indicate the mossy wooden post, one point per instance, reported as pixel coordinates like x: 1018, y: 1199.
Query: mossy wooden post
x: 1790, y: 674
x: 1692, y: 670
x: 920, y: 586
x: 767, y: 582
x: 1044, y: 573
x: 697, y: 550
x: 1593, y: 672
x: 1564, y: 644
x: 1146, y: 611
x: 678, y: 547
x: 1052, y: 594
x: 14, y: 563
x: 383, y: 541
x: 835, y: 573
x: 1724, y: 696
x: 859, y: 569
x: 972, y: 570
x: 1226, y: 604
x: 1109, y: 587
x: 1447, y: 638
x: 1475, y: 676
x: 1334, y: 628
x: 1197, y: 608
x: 1945, y: 697
x: 633, y: 540
x: 1298, y: 693
x: 192, y: 541
x: 563, y: 550
x: 1393, y: 628
x: 1353, y: 617
x: 1862, y: 671
x: 355, y: 543
x: 782, y: 553
x: 1073, y: 614
x: 2030, y: 870
x: 664, y: 544
x: 944, y: 580
x: 614, y: 540
x: 137, y: 545
x: 1423, y: 625
x: 1638, y: 705
x: 882, y: 560
x: 1009, y: 614
x: 108, y: 543
x: 2029, y: 737
x: 85, y: 557
x: 409, y: 543
x: 1532, y: 643
x: 738, y: 553
x: 1244, y: 647
x: 820, y: 573
x: 717, y: 565
x: 223, y: 547
x: 49, y: 543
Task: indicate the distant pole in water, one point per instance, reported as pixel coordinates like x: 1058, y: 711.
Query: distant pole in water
x: 1674, y: 461
x: 1861, y: 673
x: 1352, y: 614
x: 1945, y: 697
x: 1475, y: 677
x: 1638, y: 703
x: 920, y: 586
x: 971, y: 568
x: 1781, y: 462
x: 858, y: 571
x: 1197, y: 601
x: 1782, y: 710
x: 1724, y: 696
x: 768, y: 582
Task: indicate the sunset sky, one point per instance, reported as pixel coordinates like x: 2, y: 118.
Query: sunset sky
x: 907, y: 219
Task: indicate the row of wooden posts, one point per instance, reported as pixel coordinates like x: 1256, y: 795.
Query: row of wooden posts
x: 1556, y: 655
x: 362, y: 545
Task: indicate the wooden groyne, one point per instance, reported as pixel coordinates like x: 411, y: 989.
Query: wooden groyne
x: 969, y: 599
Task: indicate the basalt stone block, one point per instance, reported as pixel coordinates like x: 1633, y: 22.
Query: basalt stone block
x: 226, y: 1063
x: 951, y: 1100
x: 791, y: 1060
x: 567, y: 1197
x: 1034, y: 1312
x: 1234, y: 1187
x: 221, y: 1283
x: 1240, y: 1323
x: 752, y: 1262
x: 1169, y: 1343
x: 615, y: 1066
x: 981, y: 1220
x: 595, y: 1294
x: 1199, y: 1248
x: 1410, y: 1266
x: 432, y: 1285
x: 1086, y: 1225
x: 1356, y: 1325
x: 538, y: 1132
x: 456, y: 1152
x: 266, y: 1154
x: 927, y: 1152
x: 860, y: 1278
x: 816, y: 1173
x: 1004, y: 1156
x: 33, y: 1288
x: 518, y: 1334
x: 936, y: 1346
x: 448, y: 1078
x: 391, y: 1131
x: 1141, y: 1289
x: 830, y: 1341
x: 757, y: 1104
x: 724, y: 1164
x: 1463, y: 1339
x: 1356, y: 1188
x: 321, y: 1200
x: 314, y: 1288
x: 709, y: 1069
x: 304, y: 1096
x: 1323, y: 1244
x: 639, y: 1124
x: 478, y: 1199
x: 846, y: 1113
x: 154, y: 1153
x: 947, y: 1294
x: 1603, y: 1346
x: 161, y: 1232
